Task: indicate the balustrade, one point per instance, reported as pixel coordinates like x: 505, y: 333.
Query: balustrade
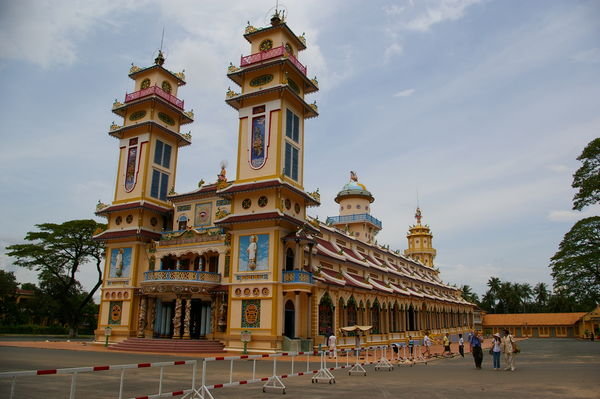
x: 157, y: 91
x: 270, y: 54
x: 182, y: 275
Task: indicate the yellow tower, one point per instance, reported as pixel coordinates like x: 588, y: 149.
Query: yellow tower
x: 420, y: 242
x: 267, y: 222
x: 149, y: 139
x: 355, y: 212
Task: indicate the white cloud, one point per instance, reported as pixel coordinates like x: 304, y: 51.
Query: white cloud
x: 591, y: 56
x: 573, y: 216
x: 392, y: 50
x: 422, y: 15
x: 404, y: 93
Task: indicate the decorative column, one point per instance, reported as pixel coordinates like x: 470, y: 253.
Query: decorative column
x: 177, y: 319
x: 168, y: 312
x: 296, y: 313
x: 151, y: 316
x: 142, y: 316
x: 187, y: 318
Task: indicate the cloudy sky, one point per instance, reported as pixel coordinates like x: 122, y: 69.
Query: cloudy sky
x: 479, y: 106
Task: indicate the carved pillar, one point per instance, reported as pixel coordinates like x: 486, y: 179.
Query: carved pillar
x: 142, y: 317
x: 177, y: 319
x: 151, y: 315
x: 187, y: 318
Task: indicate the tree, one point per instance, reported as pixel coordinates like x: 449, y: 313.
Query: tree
x: 8, y: 292
x: 541, y: 295
x: 576, y: 265
x: 587, y: 178
x: 469, y: 295
x: 58, y: 252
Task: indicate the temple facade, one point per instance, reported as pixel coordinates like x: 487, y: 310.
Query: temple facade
x: 242, y: 255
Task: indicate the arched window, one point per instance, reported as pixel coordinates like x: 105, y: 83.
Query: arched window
x: 182, y: 222
x: 289, y: 260
x: 351, y: 312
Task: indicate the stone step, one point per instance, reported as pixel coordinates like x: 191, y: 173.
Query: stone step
x: 169, y: 345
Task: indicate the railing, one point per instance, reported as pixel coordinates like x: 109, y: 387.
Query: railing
x: 353, y: 218
x: 269, y: 54
x: 297, y: 276
x: 182, y: 275
x: 157, y: 91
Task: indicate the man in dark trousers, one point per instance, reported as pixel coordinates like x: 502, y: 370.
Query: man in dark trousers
x: 476, y: 342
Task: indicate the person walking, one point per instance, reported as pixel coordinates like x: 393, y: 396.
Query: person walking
x: 446, y: 341
x: 496, y: 350
x: 476, y: 342
x: 461, y: 345
x: 508, y: 349
x: 332, y: 344
x: 427, y: 344
x: 411, y: 346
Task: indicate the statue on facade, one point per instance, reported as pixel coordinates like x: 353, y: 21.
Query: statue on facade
x: 252, y: 247
x: 353, y: 176
x: 418, y: 215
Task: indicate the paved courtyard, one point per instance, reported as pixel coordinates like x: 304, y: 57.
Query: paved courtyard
x: 547, y: 368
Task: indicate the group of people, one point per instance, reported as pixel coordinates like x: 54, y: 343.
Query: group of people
x: 500, y: 345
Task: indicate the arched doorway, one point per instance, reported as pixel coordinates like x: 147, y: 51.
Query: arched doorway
x: 289, y: 260
x: 375, y: 319
x: 411, y: 318
x: 325, y: 315
x: 290, y: 317
x: 351, y: 312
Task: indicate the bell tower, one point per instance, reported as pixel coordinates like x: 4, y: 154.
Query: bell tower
x: 149, y: 139
x: 268, y: 286
x: 420, y: 242
x: 271, y: 104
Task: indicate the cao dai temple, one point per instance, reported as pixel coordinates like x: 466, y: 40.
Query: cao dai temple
x: 242, y: 255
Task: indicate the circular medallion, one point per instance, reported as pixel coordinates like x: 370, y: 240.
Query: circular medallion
x: 288, y: 203
x: 145, y: 84
x: 238, y: 291
x: 265, y: 291
x: 118, y: 220
x: 265, y: 45
x: 256, y: 292
x: 289, y: 49
x: 153, y: 221
x: 166, y: 118
x: 297, y: 207
x: 137, y: 115
x: 246, y: 291
x: 263, y: 201
x: 129, y: 219
x: 166, y: 86
x: 246, y: 203
x: 261, y: 80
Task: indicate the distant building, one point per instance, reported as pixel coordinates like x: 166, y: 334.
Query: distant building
x: 544, y: 325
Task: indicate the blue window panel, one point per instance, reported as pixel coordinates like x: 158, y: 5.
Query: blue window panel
x: 158, y: 151
x: 154, y: 188
x: 287, y: 170
x: 164, y: 182
x: 294, y: 163
x: 166, y: 156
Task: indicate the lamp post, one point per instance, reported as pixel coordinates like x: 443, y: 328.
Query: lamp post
x: 107, y: 333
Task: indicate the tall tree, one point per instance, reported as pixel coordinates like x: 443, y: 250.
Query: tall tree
x: 587, y: 178
x: 576, y: 265
x: 58, y: 252
x: 8, y: 293
x: 469, y: 295
x: 541, y: 295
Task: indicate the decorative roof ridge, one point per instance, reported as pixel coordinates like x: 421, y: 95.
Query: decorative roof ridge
x: 179, y: 76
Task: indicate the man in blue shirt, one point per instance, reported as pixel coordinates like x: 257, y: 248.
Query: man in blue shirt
x: 476, y: 342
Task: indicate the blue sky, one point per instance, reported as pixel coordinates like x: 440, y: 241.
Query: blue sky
x: 479, y: 106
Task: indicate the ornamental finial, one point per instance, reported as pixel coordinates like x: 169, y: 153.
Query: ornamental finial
x: 418, y: 215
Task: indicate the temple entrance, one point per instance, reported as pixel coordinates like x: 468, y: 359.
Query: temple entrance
x: 200, y: 317
x: 411, y: 318
x: 289, y: 320
x: 326, y: 315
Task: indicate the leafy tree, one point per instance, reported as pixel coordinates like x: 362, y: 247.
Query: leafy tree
x: 587, y: 178
x: 58, y: 252
x: 8, y: 291
x: 576, y: 265
x: 541, y: 295
x: 469, y: 295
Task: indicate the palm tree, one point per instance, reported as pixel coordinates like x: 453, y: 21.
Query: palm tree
x: 541, y: 295
x: 469, y: 295
x: 492, y: 294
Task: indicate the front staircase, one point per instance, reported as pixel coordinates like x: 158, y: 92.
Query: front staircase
x: 169, y: 345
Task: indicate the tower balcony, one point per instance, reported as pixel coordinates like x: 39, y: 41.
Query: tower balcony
x: 297, y: 276
x: 157, y: 91
x: 346, y: 219
x: 270, y: 54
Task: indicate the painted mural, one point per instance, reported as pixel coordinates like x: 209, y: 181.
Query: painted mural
x: 258, y: 148
x: 202, y: 214
x: 254, y: 253
x: 130, y: 169
x: 120, y: 262
x: 251, y: 313
x: 116, y: 309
